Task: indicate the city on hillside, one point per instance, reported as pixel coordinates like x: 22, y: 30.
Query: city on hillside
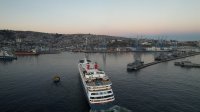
x: 45, y: 43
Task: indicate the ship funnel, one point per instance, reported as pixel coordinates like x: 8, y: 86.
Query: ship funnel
x: 96, y: 65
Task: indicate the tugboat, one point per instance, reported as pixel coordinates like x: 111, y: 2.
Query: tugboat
x: 160, y: 57
x: 56, y: 79
x: 135, y: 65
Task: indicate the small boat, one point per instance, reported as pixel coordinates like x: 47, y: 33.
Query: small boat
x: 56, y: 79
x: 5, y: 55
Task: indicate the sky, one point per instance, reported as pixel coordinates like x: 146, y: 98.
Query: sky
x: 109, y: 17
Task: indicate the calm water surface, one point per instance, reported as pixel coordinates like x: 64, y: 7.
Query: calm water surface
x: 26, y: 84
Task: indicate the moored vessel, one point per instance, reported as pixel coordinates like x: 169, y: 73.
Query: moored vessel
x: 26, y: 52
x: 187, y: 64
x: 5, y: 55
x: 135, y: 65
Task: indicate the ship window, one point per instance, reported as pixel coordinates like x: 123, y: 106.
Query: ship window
x: 81, y: 61
x: 100, y: 72
x: 109, y: 92
x: 91, y: 73
x: 94, y: 93
x: 91, y: 97
x: 100, y: 93
x: 101, y: 97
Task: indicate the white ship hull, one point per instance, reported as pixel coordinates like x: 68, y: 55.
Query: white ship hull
x: 104, y: 102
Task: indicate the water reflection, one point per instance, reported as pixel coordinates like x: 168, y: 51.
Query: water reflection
x: 104, y: 60
x: 6, y: 61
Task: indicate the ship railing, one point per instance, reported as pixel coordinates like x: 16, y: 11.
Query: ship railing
x: 99, y: 89
x: 94, y: 79
x: 102, y: 100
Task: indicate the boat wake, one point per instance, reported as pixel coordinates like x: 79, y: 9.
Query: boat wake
x: 115, y: 108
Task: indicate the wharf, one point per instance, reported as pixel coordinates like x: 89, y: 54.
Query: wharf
x: 169, y: 59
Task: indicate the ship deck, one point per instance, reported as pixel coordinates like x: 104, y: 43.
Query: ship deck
x: 98, y: 82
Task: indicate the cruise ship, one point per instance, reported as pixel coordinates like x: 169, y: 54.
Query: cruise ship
x: 96, y: 84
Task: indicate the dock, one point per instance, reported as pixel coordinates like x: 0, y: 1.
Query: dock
x: 166, y: 60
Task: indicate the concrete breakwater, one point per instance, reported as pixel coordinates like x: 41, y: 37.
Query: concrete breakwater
x: 165, y: 60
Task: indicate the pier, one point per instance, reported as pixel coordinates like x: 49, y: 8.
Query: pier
x: 169, y: 59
